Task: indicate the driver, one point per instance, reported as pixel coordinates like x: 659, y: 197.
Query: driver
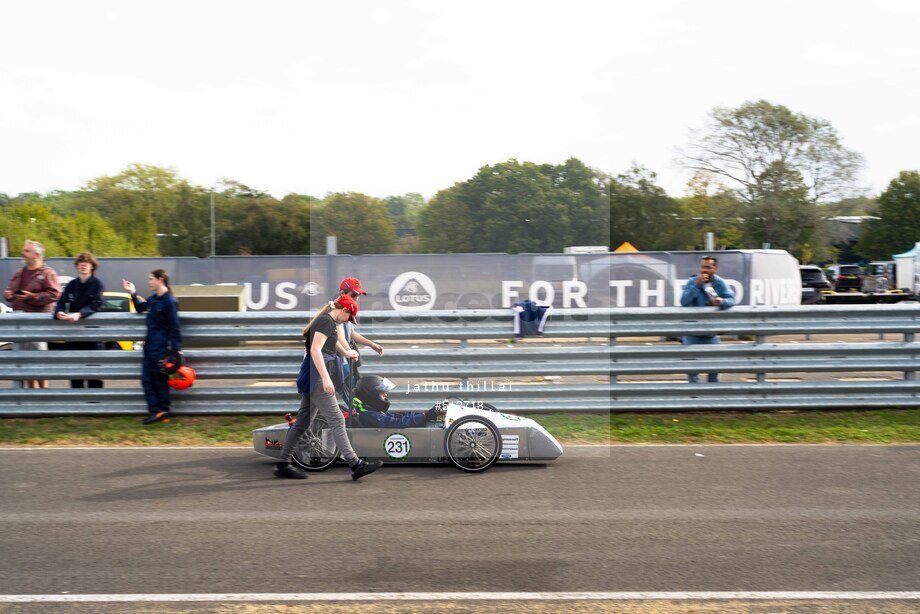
x: 371, y: 402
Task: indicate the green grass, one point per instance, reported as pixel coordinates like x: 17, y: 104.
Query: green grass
x: 869, y: 426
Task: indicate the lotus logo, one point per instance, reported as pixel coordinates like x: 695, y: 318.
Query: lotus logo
x: 412, y: 291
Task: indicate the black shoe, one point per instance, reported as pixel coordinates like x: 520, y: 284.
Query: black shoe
x: 363, y: 468
x: 287, y: 470
x: 160, y: 416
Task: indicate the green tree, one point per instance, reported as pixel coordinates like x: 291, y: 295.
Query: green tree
x: 740, y: 146
x: 521, y: 212
x: 897, y: 228
x: 87, y: 231
x: 28, y: 221
x: 642, y: 213
x: 61, y: 235
x: 781, y: 212
x: 140, y: 202
x: 589, y: 213
x: 447, y: 224
x: 264, y: 227
x: 404, y: 210
x: 360, y: 223
x: 518, y: 207
x: 719, y: 213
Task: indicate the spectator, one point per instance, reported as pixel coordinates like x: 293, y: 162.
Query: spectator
x: 163, y: 337
x: 33, y: 289
x: 82, y: 297
x: 706, y: 288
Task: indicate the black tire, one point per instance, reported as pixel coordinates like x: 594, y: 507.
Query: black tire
x: 472, y: 444
x: 317, y: 451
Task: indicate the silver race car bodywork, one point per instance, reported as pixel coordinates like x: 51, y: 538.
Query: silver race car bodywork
x: 472, y: 439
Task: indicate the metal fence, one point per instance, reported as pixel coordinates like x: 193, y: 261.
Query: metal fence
x: 590, y: 360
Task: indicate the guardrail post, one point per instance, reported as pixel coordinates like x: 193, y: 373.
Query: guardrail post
x: 18, y: 383
x: 909, y: 375
x: 761, y: 376
x: 612, y: 378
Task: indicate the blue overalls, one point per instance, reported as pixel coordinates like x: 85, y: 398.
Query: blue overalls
x: 163, y: 335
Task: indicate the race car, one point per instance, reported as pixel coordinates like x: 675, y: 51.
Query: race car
x: 472, y: 436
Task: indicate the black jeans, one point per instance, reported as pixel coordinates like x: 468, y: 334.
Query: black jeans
x: 83, y: 346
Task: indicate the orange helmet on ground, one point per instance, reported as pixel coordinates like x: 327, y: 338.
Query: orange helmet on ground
x: 183, y: 378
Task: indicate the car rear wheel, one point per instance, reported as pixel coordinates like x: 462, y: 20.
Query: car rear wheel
x: 472, y: 444
x: 317, y: 450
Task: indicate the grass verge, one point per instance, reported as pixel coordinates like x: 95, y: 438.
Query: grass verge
x: 869, y: 426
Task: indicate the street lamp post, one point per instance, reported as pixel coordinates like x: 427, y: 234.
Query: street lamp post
x: 213, y: 239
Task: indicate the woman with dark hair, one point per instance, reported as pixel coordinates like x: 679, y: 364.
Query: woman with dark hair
x: 82, y: 297
x: 319, y: 379
x: 163, y: 337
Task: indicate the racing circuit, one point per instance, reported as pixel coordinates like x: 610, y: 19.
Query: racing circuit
x: 796, y: 527
x: 148, y: 528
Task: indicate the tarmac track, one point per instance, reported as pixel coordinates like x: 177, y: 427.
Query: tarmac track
x: 825, y: 522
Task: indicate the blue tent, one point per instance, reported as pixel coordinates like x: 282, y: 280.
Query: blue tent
x: 908, y: 254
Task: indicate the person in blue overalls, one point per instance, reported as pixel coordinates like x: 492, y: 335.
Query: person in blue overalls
x: 163, y: 337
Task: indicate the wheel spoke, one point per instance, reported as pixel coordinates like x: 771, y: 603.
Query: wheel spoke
x: 473, y: 444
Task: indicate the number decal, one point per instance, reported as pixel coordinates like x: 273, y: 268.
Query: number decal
x: 397, y: 445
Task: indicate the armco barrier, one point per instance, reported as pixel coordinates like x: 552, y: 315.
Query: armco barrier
x: 585, y: 362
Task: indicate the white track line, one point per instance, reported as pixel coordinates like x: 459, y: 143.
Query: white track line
x: 473, y: 596
x: 582, y: 446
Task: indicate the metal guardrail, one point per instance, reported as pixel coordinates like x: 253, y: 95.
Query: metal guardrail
x: 587, y: 345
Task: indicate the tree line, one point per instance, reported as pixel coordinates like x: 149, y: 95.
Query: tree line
x: 761, y: 174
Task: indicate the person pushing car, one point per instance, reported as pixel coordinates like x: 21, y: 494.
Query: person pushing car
x: 319, y: 379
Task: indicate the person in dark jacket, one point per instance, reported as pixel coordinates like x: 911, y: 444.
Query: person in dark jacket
x: 82, y: 297
x: 373, y: 406
x: 163, y: 337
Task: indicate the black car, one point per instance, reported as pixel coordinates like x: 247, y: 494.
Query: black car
x: 813, y: 282
x: 847, y: 277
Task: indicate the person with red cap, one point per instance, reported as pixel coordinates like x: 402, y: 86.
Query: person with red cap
x: 351, y: 287
x: 319, y: 379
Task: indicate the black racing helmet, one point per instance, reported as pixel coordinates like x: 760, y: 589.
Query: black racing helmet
x: 170, y: 362
x: 372, y: 391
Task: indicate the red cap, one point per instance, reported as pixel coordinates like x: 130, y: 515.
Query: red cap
x: 351, y: 284
x: 348, y: 304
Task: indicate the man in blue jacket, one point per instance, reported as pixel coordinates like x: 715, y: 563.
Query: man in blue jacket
x: 706, y: 289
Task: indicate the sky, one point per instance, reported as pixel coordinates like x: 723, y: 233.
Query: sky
x: 390, y: 97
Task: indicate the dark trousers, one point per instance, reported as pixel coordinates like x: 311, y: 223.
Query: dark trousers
x: 84, y: 345
x: 156, y: 390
